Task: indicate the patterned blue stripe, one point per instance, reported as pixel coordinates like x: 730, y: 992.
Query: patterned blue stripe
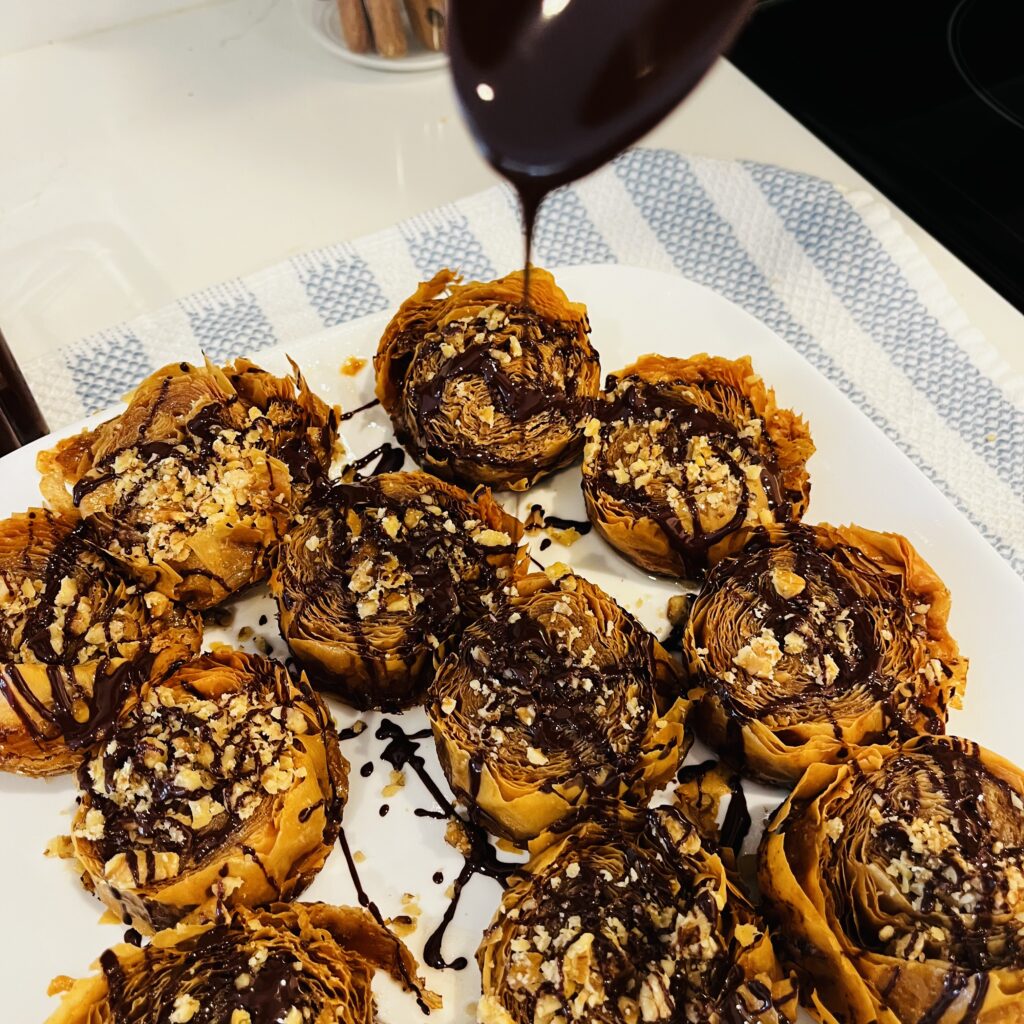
x: 688, y: 226
x: 877, y: 295
x: 436, y: 243
x: 228, y: 323
x: 565, y: 234
x: 108, y: 367
x: 339, y: 284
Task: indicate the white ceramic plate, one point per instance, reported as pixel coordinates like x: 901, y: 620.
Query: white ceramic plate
x: 322, y: 19
x: 52, y: 925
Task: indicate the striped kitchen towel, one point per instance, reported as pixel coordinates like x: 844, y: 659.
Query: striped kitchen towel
x: 828, y: 270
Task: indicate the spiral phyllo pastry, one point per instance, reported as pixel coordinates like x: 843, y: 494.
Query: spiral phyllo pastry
x: 380, y: 571
x: 293, y: 963
x: 815, y: 639
x: 482, y: 390
x: 223, y: 783
x: 899, y: 878
x: 683, y: 453
x: 628, y: 920
x: 555, y: 697
x: 192, y: 484
x: 76, y: 638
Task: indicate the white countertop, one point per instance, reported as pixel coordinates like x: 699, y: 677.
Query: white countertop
x: 148, y: 158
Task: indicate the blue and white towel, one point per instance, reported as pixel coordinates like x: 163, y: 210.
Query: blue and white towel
x: 830, y: 271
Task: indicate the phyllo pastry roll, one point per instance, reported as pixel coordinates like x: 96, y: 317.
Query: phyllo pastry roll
x: 380, y: 571
x: 482, y: 390
x: 899, y: 879
x: 628, y: 921
x: 224, y: 783
x: 293, y: 963
x: 556, y: 697
x: 681, y: 454
x: 76, y: 638
x: 192, y: 484
x: 813, y: 640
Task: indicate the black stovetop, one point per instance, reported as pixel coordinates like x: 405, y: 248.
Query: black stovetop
x: 924, y: 97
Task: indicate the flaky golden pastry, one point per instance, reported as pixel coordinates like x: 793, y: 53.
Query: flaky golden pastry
x: 813, y: 640
x: 683, y: 453
x: 554, y: 698
x: 195, y: 481
x: 293, y: 963
x: 76, y: 638
x: 382, y: 570
x: 627, y: 921
x: 482, y: 390
x: 899, y: 880
x: 224, y: 783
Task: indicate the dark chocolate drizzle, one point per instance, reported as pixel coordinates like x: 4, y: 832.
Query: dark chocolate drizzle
x: 96, y: 710
x: 206, y: 967
x: 389, y: 460
x: 364, y: 901
x: 362, y: 408
x: 479, y: 858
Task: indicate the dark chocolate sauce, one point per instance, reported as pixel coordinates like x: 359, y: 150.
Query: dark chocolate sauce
x: 362, y: 408
x: 426, y: 812
x: 673, y: 642
x: 402, y: 750
x: 389, y: 460
x: 545, y: 544
x: 736, y: 824
x: 367, y: 770
x: 45, y: 722
x: 581, y: 526
x: 374, y: 911
x: 553, y: 90
x: 383, y: 810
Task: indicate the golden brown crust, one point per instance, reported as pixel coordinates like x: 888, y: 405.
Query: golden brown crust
x: 381, y: 571
x: 313, y: 961
x: 625, y: 918
x: 684, y: 453
x: 222, y: 784
x: 194, y: 482
x: 76, y: 637
x: 813, y: 640
x: 898, y: 879
x: 482, y: 391
x: 554, y: 698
